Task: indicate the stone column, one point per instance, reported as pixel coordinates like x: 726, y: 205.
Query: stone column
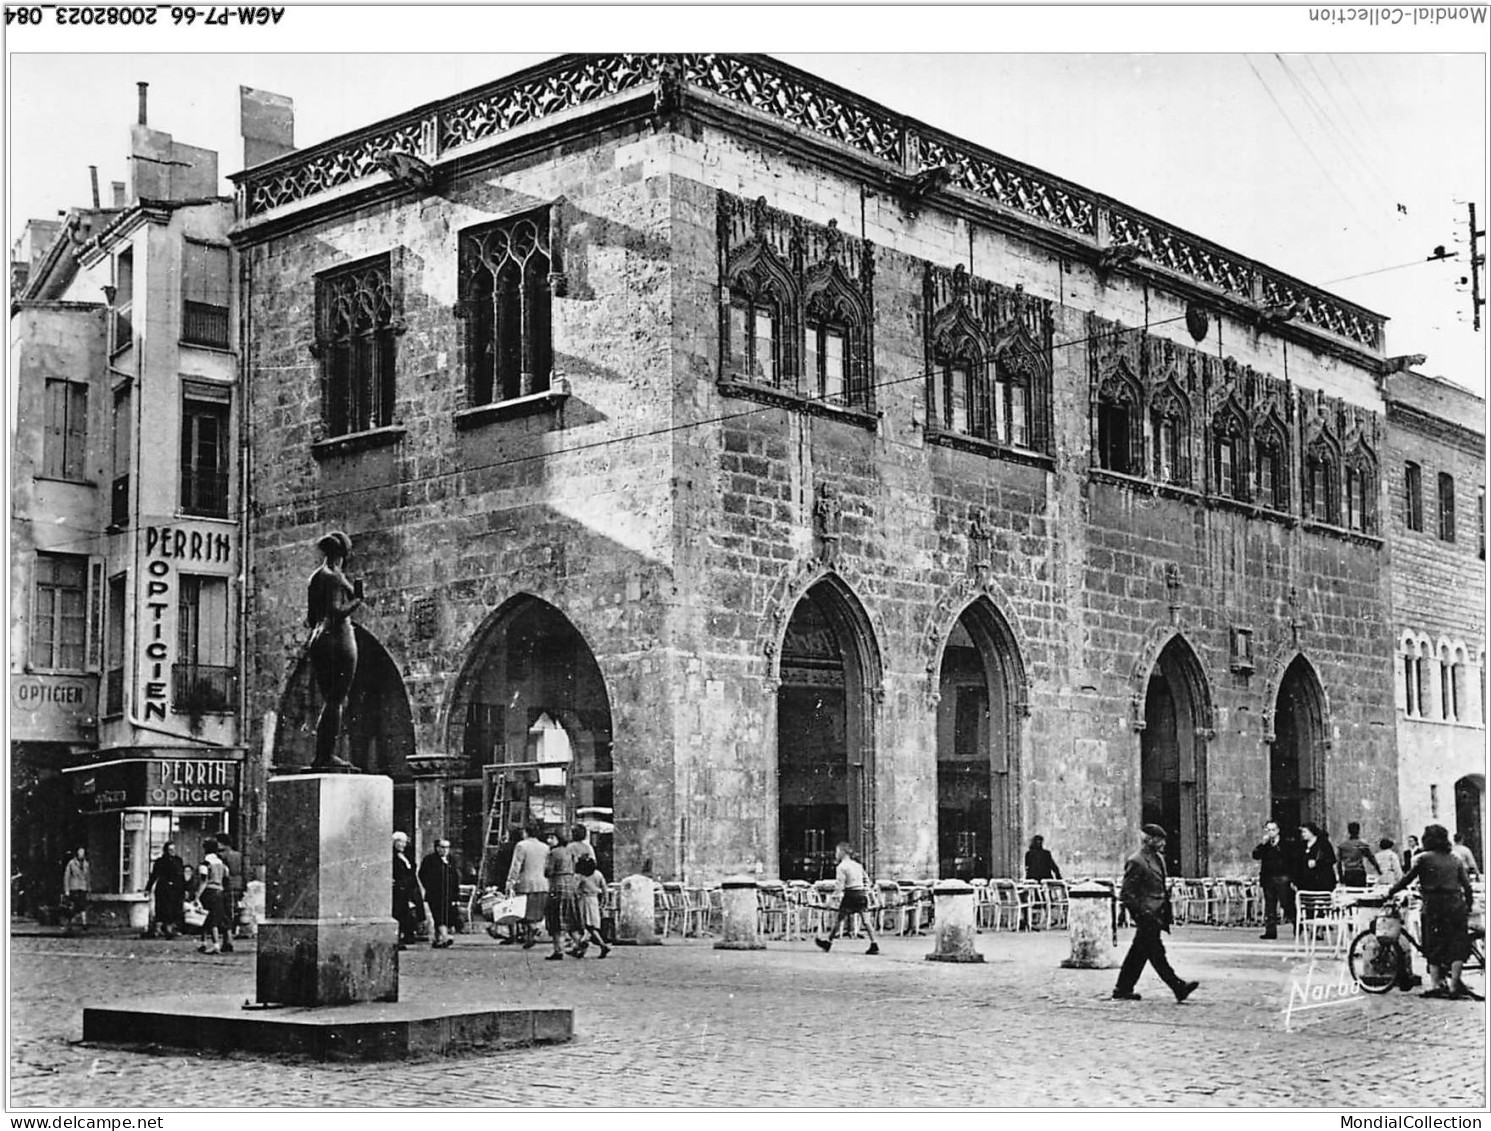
x: 1090, y: 926
x: 432, y: 818
x: 329, y: 936
x: 955, y: 926
x: 741, y: 932
x: 636, y: 923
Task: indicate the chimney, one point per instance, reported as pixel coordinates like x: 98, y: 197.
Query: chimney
x: 267, y: 125
x: 93, y: 179
x: 117, y: 187
x: 143, y: 87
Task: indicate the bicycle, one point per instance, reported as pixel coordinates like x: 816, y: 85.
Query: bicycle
x: 1378, y: 962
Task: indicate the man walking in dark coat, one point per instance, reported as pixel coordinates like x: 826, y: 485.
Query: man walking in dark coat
x: 1273, y: 876
x: 233, y: 891
x: 1147, y: 897
x: 442, y: 884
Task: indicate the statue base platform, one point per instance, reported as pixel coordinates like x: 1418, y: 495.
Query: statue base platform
x: 367, y: 1031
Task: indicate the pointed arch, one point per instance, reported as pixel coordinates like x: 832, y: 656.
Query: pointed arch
x: 1298, y: 743
x: 1119, y: 443
x: 836, y: 338
x: 1174, y: 720
x: 527, y: 660
x: 377, y: 734
x: 759, y: 330
x: 1230, y: 462
x: 1170, y: 434
x: 1359, y: 476
x: 981, y: 700
x: 1271, y: 461
x: 1322, y: 477
x: 828, y: 697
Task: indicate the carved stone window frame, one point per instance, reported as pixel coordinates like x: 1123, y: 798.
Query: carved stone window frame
x: 775, y: 264
x: 509, y: 271
x: 359, y: 318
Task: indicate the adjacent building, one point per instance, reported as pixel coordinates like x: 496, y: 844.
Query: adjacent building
x: 1436, y: 453
x: 819, y: 474
x: 126, y: 554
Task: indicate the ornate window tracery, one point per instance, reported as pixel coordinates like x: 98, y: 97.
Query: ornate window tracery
x: 1323, y: 484
x: 1360, y: 478
x: 506, y: 284
x: 1271, y: 471
x: 356, y: 326
x: 1118, y: 422
x: 1230, y: 463
x: 796, y: 311
x: 988, y: 369
x: 1170, y: 438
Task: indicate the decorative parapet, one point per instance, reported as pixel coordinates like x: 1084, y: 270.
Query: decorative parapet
x: 808, y: 103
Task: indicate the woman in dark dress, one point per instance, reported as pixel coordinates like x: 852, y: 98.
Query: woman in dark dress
x: 1445, y: 887
x: 168, y: 881
x: 1318, y: 863
x: 1039, y: 863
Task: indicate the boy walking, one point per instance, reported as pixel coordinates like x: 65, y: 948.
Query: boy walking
x: 854, y: 898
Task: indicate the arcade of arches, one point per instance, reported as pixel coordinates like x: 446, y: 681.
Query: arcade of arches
x: 532, y: 668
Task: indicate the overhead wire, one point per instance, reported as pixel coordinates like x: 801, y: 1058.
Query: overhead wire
x: 1310, y: 149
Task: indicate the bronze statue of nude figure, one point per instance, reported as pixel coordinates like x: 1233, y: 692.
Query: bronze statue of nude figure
x: 330, y: 601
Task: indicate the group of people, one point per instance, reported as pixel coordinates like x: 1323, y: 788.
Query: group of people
x: 217, y: 885
x: 1313, y: 863
x: 563, y: 888
x: 436, y: 885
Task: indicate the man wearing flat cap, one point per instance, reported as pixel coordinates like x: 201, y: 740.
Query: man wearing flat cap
x: 1146, y: 895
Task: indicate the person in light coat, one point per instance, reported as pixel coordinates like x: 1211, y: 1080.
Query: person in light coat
x: 525, y: 876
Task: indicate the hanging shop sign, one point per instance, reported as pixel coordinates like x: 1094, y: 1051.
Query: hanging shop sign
x: 156, y: 783
x: 53, y: 708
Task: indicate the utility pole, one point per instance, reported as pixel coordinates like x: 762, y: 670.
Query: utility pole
x: 1477, y: 261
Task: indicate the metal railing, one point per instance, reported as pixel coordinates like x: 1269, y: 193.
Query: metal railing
x: 204, y: 689
x: 203, y: 324
x: 204, y: 493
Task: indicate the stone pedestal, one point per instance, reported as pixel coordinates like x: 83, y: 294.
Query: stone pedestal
x: 328, y: 937
x: 740, y: 931
x: 1090, y: 927
x: 636, y: 917
x: 955, y: 923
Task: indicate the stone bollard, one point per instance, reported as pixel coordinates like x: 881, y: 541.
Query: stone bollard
x: 741, y: 932
x: 636, y: 917
x: 1090, y: 925
x: 954, y: 922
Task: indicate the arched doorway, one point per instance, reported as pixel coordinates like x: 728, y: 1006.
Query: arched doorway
x: 1296, y: 763
x: 377, y: 726
x: 1172, y: 757
x: 979, y: 684
x: 1469, y: 794
x: 824, y: 739
x: 532, y: 683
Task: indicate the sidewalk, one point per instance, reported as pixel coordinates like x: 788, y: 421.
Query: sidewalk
x: 684, y: 1024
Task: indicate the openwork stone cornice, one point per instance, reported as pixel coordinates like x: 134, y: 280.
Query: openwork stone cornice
x: 807, y: 103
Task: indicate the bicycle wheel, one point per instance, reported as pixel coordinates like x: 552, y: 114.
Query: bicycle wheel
x: 1374, y: 964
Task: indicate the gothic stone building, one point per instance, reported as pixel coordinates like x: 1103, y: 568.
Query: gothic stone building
x: 819, y: 474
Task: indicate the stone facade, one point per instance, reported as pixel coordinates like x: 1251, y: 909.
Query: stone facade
x: 858, y: 504
x: 1437, y: 430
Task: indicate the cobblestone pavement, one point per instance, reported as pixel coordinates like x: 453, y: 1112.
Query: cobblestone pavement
x: 686, y: 1025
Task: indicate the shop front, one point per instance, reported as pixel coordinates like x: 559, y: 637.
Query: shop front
x: 132, y: 806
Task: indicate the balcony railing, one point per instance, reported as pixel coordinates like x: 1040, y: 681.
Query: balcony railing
x: 203, y: 324
x: 204, y: 493
x: 204, y: 689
